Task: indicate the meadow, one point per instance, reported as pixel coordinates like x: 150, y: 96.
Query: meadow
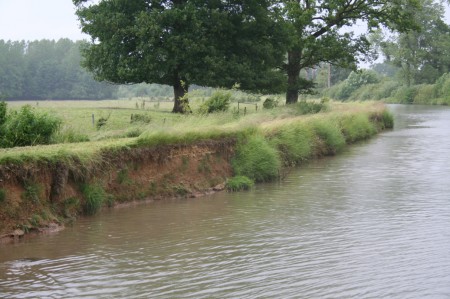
x: 140, y: 122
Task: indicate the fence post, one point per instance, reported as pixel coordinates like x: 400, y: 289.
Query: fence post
x: 93, y: 120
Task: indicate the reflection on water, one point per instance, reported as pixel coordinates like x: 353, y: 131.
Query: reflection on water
x: 371, y: 223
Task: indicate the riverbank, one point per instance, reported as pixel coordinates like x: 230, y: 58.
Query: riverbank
x: 44, y: 186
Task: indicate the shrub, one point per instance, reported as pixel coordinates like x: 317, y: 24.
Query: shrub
x: 424, y: 94
x: 256, y: 159
x: 239, y: 183
x: 442, y: 86
x: 354, y: 81
x: 26, y: 127
x: 270, y: 103
x: 405, y: 95
x: 95, y: 196
x: 218, y: 102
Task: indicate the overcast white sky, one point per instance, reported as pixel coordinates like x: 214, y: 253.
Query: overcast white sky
x: 38, y: 19
x: 41, y: 19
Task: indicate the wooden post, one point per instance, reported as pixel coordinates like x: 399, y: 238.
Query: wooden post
x: 93, y: 120
x: 245, y: 110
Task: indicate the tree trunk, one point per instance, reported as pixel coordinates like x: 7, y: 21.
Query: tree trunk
x: 181, y: 102
x: 293, y: 72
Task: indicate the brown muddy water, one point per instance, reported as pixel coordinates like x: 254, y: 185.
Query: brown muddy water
x: 373, y: 222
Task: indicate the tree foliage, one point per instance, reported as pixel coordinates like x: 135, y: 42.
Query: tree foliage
x: 46, y: 69
x: 317, y: 36
x: 422, y: 55
x: 183, y: 42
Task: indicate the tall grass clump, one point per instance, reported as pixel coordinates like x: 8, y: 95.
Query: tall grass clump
x: 239, y: 183
x: 357, y: 127
x: 294, y: 143
x: 95, y: 196
x: 330, y: 136
x: 388, y: 119
x: 304, y: 107
x: 256, y: 159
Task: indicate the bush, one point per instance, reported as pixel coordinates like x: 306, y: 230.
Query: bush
x: 270, y: 103
x: 405, y: 95
x: 354, y: 81
x: 218, y: 102
x: 442, y: 86
x: 95, y: 196
x: 239, y: 183
x: 26, y: 127
x: 256, y: 159
x: 424, y: 94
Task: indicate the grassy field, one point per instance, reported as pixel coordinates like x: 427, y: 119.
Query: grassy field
x: 159, y: 125
x: 80, y: 117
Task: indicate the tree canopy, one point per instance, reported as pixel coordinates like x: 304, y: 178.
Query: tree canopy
x: 181, y: 42
x: 46, y: 69
x: 422, y: 55
x: 317, y: 33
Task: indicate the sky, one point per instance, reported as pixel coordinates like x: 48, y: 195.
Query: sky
x: 39, y: 19
x: 44, y: 19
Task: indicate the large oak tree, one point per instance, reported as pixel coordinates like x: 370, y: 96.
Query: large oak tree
x: 182, y: 42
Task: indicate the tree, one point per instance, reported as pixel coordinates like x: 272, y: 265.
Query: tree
x: 46, y: 69
x: 183, y: 42
x: 317, y: 33
x: 422, y: 55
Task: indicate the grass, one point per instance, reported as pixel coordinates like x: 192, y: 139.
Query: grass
x: 94, y: 196
x: 291, y: 135
x: 239, y: 183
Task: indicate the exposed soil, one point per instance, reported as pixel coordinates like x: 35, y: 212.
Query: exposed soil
x: 40, y: 197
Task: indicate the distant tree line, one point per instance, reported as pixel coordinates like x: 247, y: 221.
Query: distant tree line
x: 47, y: 69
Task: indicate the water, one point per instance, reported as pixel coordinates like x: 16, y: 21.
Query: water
x: 370, y: 223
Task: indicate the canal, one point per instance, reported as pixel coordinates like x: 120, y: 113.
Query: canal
x: 373, y: 222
